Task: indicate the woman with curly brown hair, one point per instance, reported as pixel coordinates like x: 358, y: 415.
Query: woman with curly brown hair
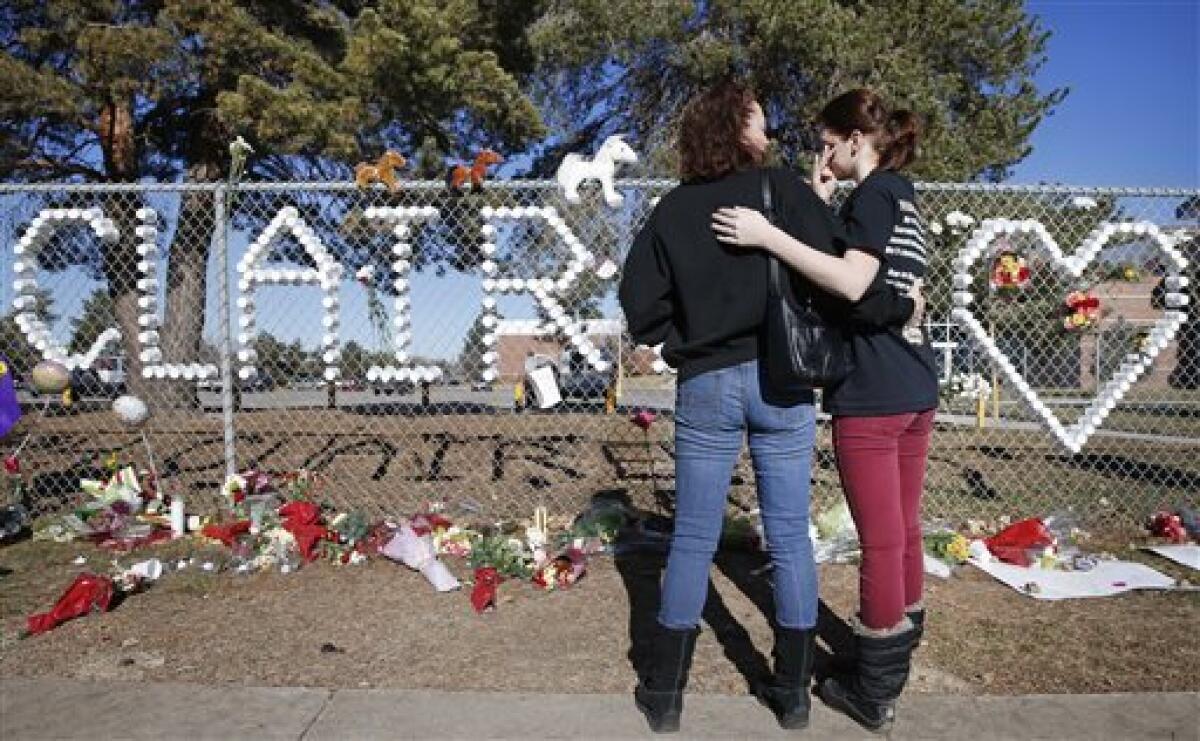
x: 882, y: 411
x: 706, y: 303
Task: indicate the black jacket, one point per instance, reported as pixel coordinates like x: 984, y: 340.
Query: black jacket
x: 705, y: 301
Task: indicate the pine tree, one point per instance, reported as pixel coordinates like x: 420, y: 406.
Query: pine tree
x: 627, y: 65
x: 117, y: 90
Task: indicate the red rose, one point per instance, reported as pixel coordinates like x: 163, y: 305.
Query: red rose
x: 12, y: 465
x: 643, y: 419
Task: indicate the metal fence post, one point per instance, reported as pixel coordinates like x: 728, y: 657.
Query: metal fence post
x: 226, y: 340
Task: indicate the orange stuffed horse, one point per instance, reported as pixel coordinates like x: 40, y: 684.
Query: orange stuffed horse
x: 460, y: 174
x: 383, y: 171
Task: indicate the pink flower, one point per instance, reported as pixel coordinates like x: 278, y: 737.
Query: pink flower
x: 643, y: 419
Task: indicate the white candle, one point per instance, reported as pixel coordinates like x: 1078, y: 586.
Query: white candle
x: 178, y: 523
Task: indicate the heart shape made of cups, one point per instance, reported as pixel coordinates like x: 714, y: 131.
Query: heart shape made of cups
x: 1075, y: 435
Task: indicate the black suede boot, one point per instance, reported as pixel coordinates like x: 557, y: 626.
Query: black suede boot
x: 660, y: 693
x: 786, y: 693
x: 883, y: 663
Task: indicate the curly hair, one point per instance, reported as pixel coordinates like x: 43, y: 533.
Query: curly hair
x: 710, y: 132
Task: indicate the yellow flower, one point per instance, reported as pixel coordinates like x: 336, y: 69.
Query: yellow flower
x: 959, y: 549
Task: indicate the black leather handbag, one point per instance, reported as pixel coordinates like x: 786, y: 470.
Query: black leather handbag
x: 801, y: 348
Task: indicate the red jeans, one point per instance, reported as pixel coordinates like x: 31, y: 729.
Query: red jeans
x: 881, y: 461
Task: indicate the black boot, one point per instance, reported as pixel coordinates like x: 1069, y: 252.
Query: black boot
x: 883, y: 663
x: 786, y: 693
x: 660, y: 693
x: 846, y: 662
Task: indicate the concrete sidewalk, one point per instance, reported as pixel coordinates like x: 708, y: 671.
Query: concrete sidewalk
x: 68, y: 709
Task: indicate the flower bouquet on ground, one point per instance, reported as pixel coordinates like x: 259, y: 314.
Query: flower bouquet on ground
x: 115, y: 512
x: 494, y: 557
x: 950, y: 547
x: 418, y: 552
x: 595, y: 529
x: 562, y: 571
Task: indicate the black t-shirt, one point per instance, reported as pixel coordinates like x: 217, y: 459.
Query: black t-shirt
x: 704, y: 300
x: 892, y: 375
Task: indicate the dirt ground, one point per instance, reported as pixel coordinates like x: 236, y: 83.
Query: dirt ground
x: 383, y: 626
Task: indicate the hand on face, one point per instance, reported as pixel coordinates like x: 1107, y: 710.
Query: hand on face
x: 824, y: 182
x: 743, y: 227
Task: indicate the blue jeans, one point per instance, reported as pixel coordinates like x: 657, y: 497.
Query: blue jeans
x: 713, y: 411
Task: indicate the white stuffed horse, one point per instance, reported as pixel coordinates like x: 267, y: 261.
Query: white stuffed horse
x: 575, y: 169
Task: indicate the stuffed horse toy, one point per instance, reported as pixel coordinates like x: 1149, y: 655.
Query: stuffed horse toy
x: 459, y: 175
x: 575, y: 169
x: 383, y: 171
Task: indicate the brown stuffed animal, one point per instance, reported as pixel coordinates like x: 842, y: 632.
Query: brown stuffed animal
x: 460, y: 174
x: 383, y: 171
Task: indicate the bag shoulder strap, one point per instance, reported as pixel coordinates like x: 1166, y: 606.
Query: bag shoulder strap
x: 775, y: 282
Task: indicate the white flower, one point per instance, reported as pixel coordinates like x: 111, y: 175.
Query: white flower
x: 1083, y: 203
x: 234, y: 484
x: 280, y: 538
x: 365, y: 274
x: 935, y: 227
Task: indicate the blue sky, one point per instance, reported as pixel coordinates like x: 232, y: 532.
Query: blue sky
x: 1131, y: 119
x: 1131, y: 116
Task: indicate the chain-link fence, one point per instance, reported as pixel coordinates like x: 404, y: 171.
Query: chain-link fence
x: 402, y: 344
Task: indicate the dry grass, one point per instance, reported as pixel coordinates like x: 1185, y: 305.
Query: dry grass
x: 391, y: 630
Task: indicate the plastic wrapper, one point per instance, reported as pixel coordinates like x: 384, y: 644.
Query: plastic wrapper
x: 1014, y: 543
x: 483, y: 594
x: 417, y: 552
x: 226, y: 532
x: 88, y: 592
x: 562, y: 571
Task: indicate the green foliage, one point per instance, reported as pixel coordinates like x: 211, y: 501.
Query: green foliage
x: 498, y: 552
x: 353, y: 527
x: 967, y: 67
x: 470, y: 359
x: 117, y: 89
x: 19, y: 352
x: 95, y: 317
